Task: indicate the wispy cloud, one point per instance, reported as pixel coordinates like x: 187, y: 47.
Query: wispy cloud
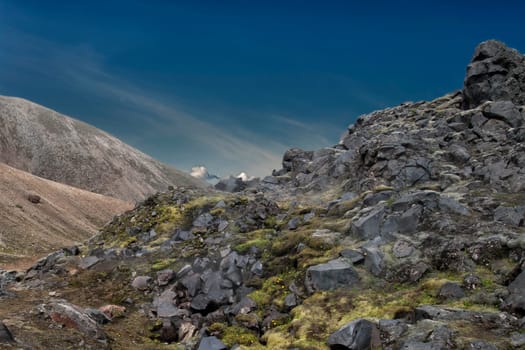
x: 83, y: 68
x: 312, y: 133
x: 224, y: 147
x: 259, y: 158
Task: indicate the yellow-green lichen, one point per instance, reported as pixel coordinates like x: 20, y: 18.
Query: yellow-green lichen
x: 232, y: 335
x: 162, y: 264
x: 273, y: 291
x: 258, y: 238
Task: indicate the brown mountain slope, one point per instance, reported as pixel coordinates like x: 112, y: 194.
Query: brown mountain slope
x: 50, y: 145
x: 64, y: 215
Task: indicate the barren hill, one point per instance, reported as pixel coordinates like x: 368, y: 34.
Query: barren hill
x: 56, y: 147
x: 63, y: 216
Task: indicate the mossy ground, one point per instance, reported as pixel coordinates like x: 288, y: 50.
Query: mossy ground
x: 286, y: 254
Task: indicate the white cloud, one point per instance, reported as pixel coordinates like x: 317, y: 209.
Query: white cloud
x: 244, y: 177
x: 201, y: 172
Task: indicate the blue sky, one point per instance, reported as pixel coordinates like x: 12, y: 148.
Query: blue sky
x: 233, y: 84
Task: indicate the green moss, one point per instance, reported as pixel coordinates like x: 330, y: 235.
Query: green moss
x: 169, y: 217
x: 324, y: 312
x: 309, y: 256
x: 273, y: 292
x: 172, y: 216
x: 510, y: 199
x: 271, y: 222
x: 260, y: 243
x: 217, y: 211
x: 320, y: 243
x: 162, y: 264
x: 286, y: 242
x: 342, y: 207
x: 128, y: 241
x: 87, y: 278
x: 340, y: 225
x: 382, y: 187
x: 470, y: 331
x: 238, y: 335
x: 257, y: 238
x: 217, y: 328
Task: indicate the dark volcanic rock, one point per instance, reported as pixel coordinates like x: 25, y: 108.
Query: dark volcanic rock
x: 505, y: 111
x: 296, y: 160
x: 334, y: 274
x: 495, y: 73
x: 88, y: 261
x: 516, y: 299
x: 451, y: 290
x: 374, y: 260
x: 5, y: 334
x: 165, y: 276
x: 354, y: 256
x: 98, y: 316
x: 141, y: 283
x: 34, y: 198
x: 231, y: 184
x: 211, y: 343
x: 392, y: 330
x: 511, y: 216
x: 360, y: 334
x: 368, y: 226
x: 481, y: 345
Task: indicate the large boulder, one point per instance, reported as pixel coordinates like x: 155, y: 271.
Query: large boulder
x: 296, y: 160
x: 505, y: 111
x: 359, y: 334
x: 331, y: 275
x: 495, y: 73
x: 71, y: 316
x: 369, y: 226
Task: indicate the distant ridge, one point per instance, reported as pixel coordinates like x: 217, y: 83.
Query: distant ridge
x: 56, y: 147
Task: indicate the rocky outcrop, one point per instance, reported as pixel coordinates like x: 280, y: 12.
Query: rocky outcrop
x: 496, y: 73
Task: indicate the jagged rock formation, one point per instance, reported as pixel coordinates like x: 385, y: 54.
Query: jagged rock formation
x: 50, y: 145
x: 408, y: 234
x: 496, y: 73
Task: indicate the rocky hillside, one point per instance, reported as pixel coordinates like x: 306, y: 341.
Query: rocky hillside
x: 38, y: 216
x: 50, y: 145
x: 408, y: 234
